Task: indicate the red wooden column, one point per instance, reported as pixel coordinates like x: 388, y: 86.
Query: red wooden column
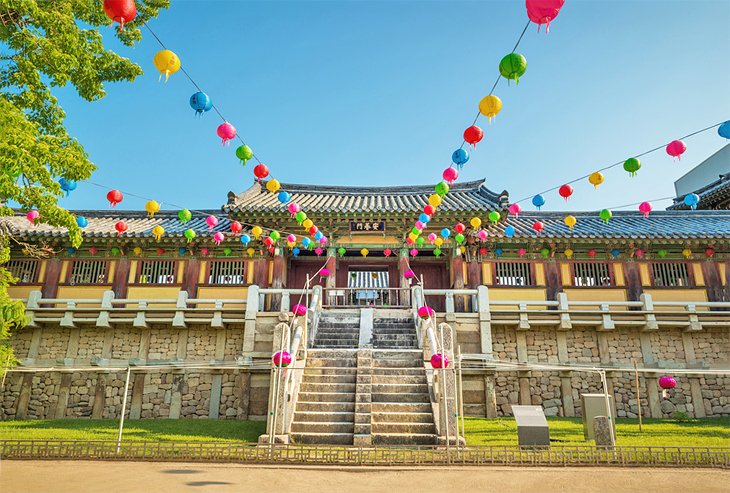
x: 261, y: 272
x: 190, y: 276
x: 713, y: 283
x: 121, y: 277
x: 632, y: 277
x: 553, y: 283
x: 474, y: 273
x: 53, y: 274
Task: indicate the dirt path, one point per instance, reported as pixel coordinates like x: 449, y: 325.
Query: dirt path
x: 160, y: 477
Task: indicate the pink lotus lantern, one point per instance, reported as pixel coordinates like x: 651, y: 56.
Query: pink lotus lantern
x: 482, y: 234
x: 282, y: 359
x: 291, y: 238
x: 299, y: 310
x: 387, y: 252
x: 318, y: 251
x: 439, y: 360
x: 521, y: 252
x: 294, y: 208
x: 425, y: 312
x: 538, y: 226
x: 645, y: 208
x: 450, y: 175
x: 413, y: 252
x: 676, y: 148
x: 218, y: 238
x: 432, y: 237
x: 409, y: 274
x: 211, y: 221
x: 543, y: 11
x: 324, y: 274
x: 515, y: 209
x: 667, y: 382
x: 226, y: 132
x: 33, y: 216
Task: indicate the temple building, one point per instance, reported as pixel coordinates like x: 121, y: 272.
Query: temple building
x: 652, y: 290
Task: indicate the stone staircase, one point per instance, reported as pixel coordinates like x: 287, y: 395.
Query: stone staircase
x: 325, y: 411
x: 338, y: 329
x: 394, y: 333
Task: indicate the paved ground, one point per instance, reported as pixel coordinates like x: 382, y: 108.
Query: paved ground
x: 160, y: 477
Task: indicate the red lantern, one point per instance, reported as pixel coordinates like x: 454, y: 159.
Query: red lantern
x: 387, y: 252
x: 592, y: 253
x: 121, y: 227
x: 409, y: 240
x: 429, y: 209
x: 473, y: 135
x: 313, y: 230
x: 93, y: 251
x: 566, y: 191
x: 710, y: 252
x: 483, y: 251
x: 114, y: 197
x: 538, y: 226
x: 236, y: 227
x: 268, y: 242
x: 459, y: 228
x: 261, y: 171
x: 120, y: 11
x: 160, y: 251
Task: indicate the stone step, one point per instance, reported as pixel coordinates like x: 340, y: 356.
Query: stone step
x: 389, y: 371
x: 403, y: 397
x: 330, y: 371
x: 331, y: 353
x: 324, y: 427
x: 391, y: 321
x: 401, y: 407
x: 336, y: 342
x: 403, y: 428
x: 403, y: 439
x: 389, y: 331
x: 412, y: 353
x: 392, y: 346
x: 401, y: 379
x: 324, y: 438
x: 398, y: 388
x: 327, y: 407
x: 316, y: 378
x: 335, y: 333
x: 390, y: 417
x: 394, y: 337
x: 334, y: 362
x: 328, y: 396
x: 345, y: 324
x: 308, y: 386
x: 395, y: 362
x: 319, y: 416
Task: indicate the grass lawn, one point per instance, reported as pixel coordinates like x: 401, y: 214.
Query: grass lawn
x: 710, y: 432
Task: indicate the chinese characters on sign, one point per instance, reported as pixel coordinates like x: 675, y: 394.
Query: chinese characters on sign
x: 367, y: 226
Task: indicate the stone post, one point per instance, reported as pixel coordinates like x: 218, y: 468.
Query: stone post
x: 485, y: 322
x: 363, y: 397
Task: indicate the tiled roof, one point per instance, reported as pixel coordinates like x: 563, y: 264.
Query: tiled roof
x: 710, y: 195
x: 467, y: 196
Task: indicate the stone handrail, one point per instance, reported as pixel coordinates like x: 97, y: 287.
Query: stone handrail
x: 285, y: 293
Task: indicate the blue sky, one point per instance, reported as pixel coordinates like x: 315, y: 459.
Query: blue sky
x: 380, y: 92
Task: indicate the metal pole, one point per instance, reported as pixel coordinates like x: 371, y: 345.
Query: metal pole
x: 608, y: 406
x: 638, y: 393
x: 124, y: 410
x: 461, y: 397
x: 443, y: 396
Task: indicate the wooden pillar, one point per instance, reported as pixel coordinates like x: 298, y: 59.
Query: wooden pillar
x: 457, y: 276
x: 553, y: 282
x: 332, y: 267
x: 53, y: 274
x: 261, y: 272
x: 278, y: 279
x: 713, y: 284
x: 190, y: 277
x: 632, y: 277
x: 121, y: 277
x: 474, y: 274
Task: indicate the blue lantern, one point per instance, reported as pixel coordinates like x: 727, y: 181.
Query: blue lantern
x: 692, y: 200
x: 318, y: 235
x: 70, y: 250
x: 306, y: 242
x: 445, y: 232
x: 296, y: 251
x: 182, y: 250
x: 509, y: 231
x: 498, y: 251
x: 615, y: 252
x: 284, y: 197
x: 424, y: 218
x: 460, y: 157
x: 245, y: 239
x: 724, y: 130
x: 538, y: 201
x: 67, y: 185
x: 201, y: 103
x: 82, y: 222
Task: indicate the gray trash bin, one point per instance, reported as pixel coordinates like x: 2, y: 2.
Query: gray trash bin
x: 532, y: 427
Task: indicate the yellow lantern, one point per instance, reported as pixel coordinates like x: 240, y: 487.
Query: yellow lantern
x: 462, y: 248
x: 475, y: 222
x: 167, y: 63
x: 568, y: 253
x: 137, y: 251
x: 490, y: 106
x: 687, y: 253
x: 570, y: 221
x: 435, y: 200
x: 291, y: 244
x: 307, y: 224
x: 158, y: 231
x: 596, y: 179
x: 256, y: 231
x: 364, y: 252
x: 152, y: 207
x: 438, y: 241
x: 250, y: 251
x: 273, y: 185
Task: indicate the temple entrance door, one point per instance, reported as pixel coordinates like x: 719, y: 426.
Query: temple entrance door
x: 362, y: 282
x: 435, y: 276
x: 299, y: 268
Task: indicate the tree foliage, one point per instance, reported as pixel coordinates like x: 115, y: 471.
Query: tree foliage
x: 47, y: 44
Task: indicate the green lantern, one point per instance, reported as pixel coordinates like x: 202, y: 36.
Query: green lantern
x: 184, y: 216
x: 190, y: 235
x: 274, y: 235
x: 442, y: 188
x: 420, y: 241
x: 416, y: 231
x: 437, y: 252
x: 341, y: 251
x: 244, y: 153
x: 227, y: 251
x: 115, y: 250
x: 661, y: 253
x: 513, y: 66
x: 459, y: 238
x: 605, y: 215
x: 545, y: 252
x: 494, y: 217
x: 300, y: 217
x: 632, y: 165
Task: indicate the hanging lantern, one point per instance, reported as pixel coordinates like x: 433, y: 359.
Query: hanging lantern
x: 632, y: 165
x: 483, y: 251
x: 441, y: 189
x: 93, y: 251
x: 568, y: 253
x: 410, y: 240
x: 515, y: 209
x: 82, y: 222
x: 605, y: 215
x: 459, y: 228
x: 137, y: 251
x: 120, y: 11
x: 435, y: 199
x: 227, y: 251
x: 424, y: 218
x: 662, y: 253
x: 114, y: 197
x: 666, y: 383
x: 218, y: 238
x: 490, y: 106
x: 274, y: 235
x: 437, y: 252
x: 615, y: 253
x: 413, y: 252
x: 509, y: 231
x: 459, y: 238
x: 538, y: 201
x: 67, y: 186
x: 273, y: 185
x: 450, y: 175
x: 121, y: 227
x: 226, y: 132
x: 260, y: 171
x: 387, y: 252
x: 473, y: 135
x: 313, y: 230
x: 324, y: 274
x: 570, y: 221
x: 307, y: 224
x: 245, y: 239
x: 513, y: 66
x: 482, y: 235
x: 184, y: 216
x: 432, y: 238
x: 283, y: 197
x: 724, y: 130
x: 32, y: 216
x: 157, y: 232
x: 596, y: 178
x: 256, y: 231
x: 250, y: 251
x: 592, y: 253
x: 545, y: 252
x: 709, y: 252
x: 299, y: 310
x: 189, y: 234
x: 236, y: 227
x: 543, y: 11
x: 281, y: 359
x: 565, y: 191
x: 691, y: 200
x: 676, y: 148
x: 445, y: 233
x: 538, y: 226
x: 295, y: 251
x: 460, y: 158
x: 521, y: 252
x: 317, y: 236
x: 364, y: 252
x: 204, y: 252
x: 498, y: 251
x: 429, y: 210
x: 306, y: 242
x: 167, y: 63
x: 645, y: 208
x: 152, y: 207
x: 211, y: 221
x: 341, y: 251
x: 687, y: 253
x: 426, y: 312
x: 244, y: 153
x: 475, y: 222
x: 291, y: 238
x: 201, y: 103
x: 494, y: 217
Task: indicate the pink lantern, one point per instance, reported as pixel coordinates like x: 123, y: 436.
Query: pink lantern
x: 324, y: 240
x: 299, y: 310
x: 482, y: 235
x: 387, y: 252
x: 413, y: 252
x: 439, y: 360
x: 543, y: 11
x: 236, y: 227
x: 667, y: 382
x: 324, y: 274
x: 425, y: 312
x: 420, y: 226
x: 521, y: 252
x: 32, y: 216
x: 282, y: 359
x: 515, y: 209
x: 218, y: 238
x: 409, y: 274
x: 291, y: 238
x: 538, y: 226
x: 676, y: 148
x: 432, y: 237
x: 450, y: 175
x: 211, y: 221
x: 639, y: 253
x: 645, y: 208
x: 93, y: 251
x: 204, y: 252
x: 318, y: 251
x: 226, y: 132
x: 294, y: 208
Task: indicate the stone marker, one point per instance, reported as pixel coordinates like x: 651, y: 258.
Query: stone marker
x: 602, y: 431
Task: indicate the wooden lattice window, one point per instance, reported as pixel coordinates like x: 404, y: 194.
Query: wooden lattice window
x: 671, y: 274
x: 587, y: 274
x: 26, y: 271
x: 513, y: 274
x: 227, y: 272
x: 88, y: 272
x: 157, y: 272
